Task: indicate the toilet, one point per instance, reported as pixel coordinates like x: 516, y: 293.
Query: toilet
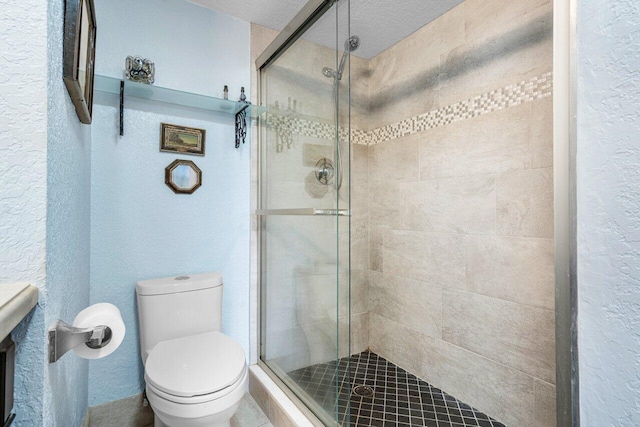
x: 196, y: 376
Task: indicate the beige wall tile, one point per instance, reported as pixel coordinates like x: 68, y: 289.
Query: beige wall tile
x: 261, y: 37
x: 301, y: 346
x: 360, y: 248
x: 503, y: 16
x: 316, y: 295
x: 545, y: 406
x: 359, y: 335
x: 359, y: 291
x: 542, y: 133
x: 396, y: 160
x: 518, y: 336
x: 359, y: 206
x: 406, y: 76
x: 360, y: 161
x: 482, y: 66
x: 395, y: 342
x: 296, y: 76
x: 311, y: 153
x: 259, y: 393
x: 512, y: 268
x: 413, y: 95
x: 458, y: 205
x: 525, y: 203
x: 278, y: 416
x: 488, y: 144
x: 435, y: 258
x: 516, y: 46
x: 360, y: 77
x: 375, y: 247
x: 502, y: 392
x: 325, y: 340
x: 416, y: 305
x: 385, y: 205
x: 359, y: 233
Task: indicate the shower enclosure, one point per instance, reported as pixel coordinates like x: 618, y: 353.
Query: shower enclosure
x: 406, y: 214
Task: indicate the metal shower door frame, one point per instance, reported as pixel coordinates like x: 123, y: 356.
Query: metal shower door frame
x: 303, y: 20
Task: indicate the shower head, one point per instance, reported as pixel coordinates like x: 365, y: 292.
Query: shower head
x: 350, y: 45
x: 353, y: 43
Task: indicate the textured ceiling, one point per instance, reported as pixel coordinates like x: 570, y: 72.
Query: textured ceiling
x: 379, y: 23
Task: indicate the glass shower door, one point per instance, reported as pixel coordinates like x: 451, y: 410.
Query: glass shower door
x: 304, y: 216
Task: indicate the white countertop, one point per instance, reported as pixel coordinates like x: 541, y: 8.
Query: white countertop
x: 16, y: 301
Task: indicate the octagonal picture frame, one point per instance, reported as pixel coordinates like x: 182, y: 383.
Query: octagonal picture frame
x: 170, y: 179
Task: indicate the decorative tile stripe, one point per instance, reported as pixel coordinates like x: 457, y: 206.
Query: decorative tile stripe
x: 285, y: 126
x: 496, y: 100
x: 499, y: 99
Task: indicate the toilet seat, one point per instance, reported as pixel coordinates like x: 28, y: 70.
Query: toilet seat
x: 196, y: 368
x: 204, y: 398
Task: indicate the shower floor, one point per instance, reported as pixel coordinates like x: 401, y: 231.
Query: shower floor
x: 399, y: 398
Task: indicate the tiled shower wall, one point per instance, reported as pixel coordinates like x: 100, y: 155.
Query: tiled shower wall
x: 460, y: 194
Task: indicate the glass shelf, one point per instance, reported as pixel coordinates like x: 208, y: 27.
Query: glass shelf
x: 171, y: 96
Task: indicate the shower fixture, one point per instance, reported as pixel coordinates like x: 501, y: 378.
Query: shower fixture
x: 350, y: 45
x: 324, y: 171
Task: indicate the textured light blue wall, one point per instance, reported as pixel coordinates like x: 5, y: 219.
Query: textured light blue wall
x: 140, y: 229
x: 68, y: 231
x: 23, y: 163
x: 44, y: 206
x: 608, y: 159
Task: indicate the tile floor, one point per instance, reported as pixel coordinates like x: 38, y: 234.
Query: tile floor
x: 129, y: 412
x: 399, y: 398
x: 249, y: 414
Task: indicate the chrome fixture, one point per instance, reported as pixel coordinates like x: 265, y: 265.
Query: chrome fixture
x: 63, y: 337
x: 362, y: 391
x: 351, y: 45
x: 324, y: 171
x: 304, y: 212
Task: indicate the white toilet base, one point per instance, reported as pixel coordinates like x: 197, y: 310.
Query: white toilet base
x: 215, y: 413
x: 157, y: 422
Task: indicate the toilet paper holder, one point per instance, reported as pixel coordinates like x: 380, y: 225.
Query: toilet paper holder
x: 63, y: 337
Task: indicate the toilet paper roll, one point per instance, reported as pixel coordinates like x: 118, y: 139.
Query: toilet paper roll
x: 96, y: 315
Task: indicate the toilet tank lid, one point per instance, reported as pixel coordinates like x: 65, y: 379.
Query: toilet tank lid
x: 177, y: 284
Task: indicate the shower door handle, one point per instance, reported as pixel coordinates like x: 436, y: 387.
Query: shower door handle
x: 304, y: 211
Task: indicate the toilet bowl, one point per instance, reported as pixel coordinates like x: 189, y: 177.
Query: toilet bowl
x: 195, y: 375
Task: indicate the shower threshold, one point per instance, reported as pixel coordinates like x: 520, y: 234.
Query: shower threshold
x: 398, y: 399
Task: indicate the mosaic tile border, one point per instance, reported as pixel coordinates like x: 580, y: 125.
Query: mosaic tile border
x: 496, y: 100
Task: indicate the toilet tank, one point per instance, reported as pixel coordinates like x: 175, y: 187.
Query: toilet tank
x: 174, y: 307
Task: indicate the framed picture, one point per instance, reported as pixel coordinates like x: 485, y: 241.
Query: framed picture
x: 183, y: 176
x: 181, y: 139
x: 79, y: 53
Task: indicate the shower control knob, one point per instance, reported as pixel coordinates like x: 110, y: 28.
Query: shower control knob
x: 324, y: 171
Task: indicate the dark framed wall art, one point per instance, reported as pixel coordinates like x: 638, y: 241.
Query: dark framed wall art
x: 79, y: 52
x: 182, y: 139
